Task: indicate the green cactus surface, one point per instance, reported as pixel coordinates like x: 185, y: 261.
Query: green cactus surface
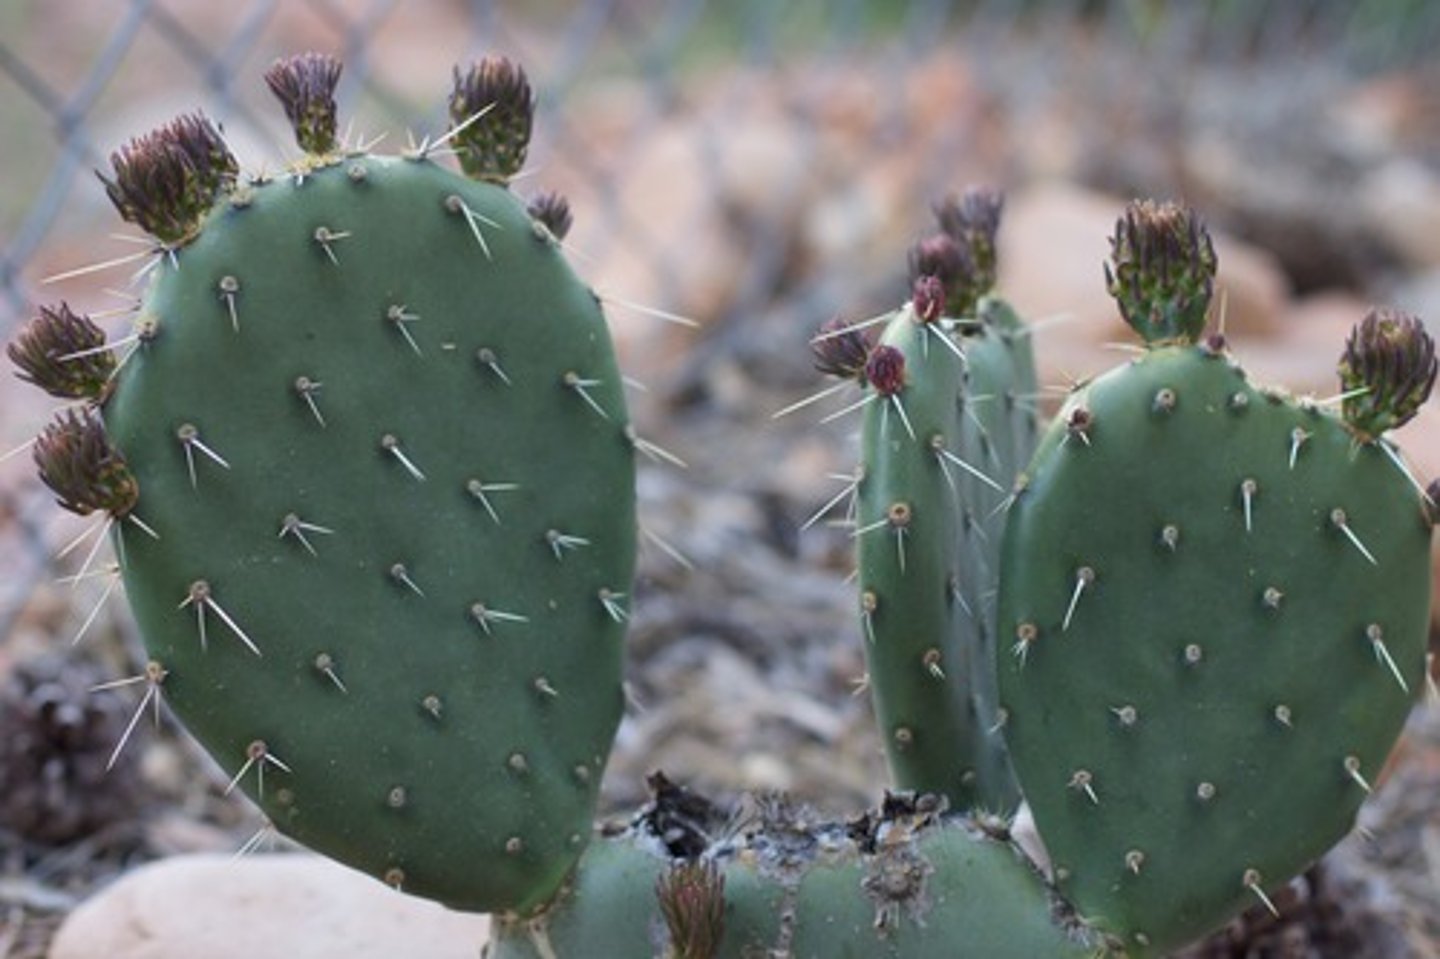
x: 882, y: 887
x: 918, y: 553
x: 946, y: 431
x: 1216, y: 601
x: 379, y: 434
x: 998, y: 432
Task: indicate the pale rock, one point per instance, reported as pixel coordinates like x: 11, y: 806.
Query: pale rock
x: 1303, y: 355
x: 767, y: 772
x: 1250, y: 287
x: 1400, y: 200
x: 1421, y: 296
x: 1380, y: 117
x: 1053, y: 240
x: 262, y: 907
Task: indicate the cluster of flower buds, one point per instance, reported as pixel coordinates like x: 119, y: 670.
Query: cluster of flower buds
x: 961, y: 257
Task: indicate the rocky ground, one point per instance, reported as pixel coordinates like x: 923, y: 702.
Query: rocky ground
x: 744, y: 653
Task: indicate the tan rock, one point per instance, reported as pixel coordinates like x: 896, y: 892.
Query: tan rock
x: 1419, y: 440
x: 1401, y: 202
x: 1251, y: 287
x: 1053, y: 241
x: 1301, y: 356
x: 262, y: 907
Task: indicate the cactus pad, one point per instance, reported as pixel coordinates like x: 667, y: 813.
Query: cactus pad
x: 948, y: 426
x: 1217, y: 601
x: 918, y: 555
x: 376, y: 431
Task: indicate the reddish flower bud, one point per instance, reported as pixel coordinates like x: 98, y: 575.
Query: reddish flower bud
x: 927, y: 297
x: 885, y: 370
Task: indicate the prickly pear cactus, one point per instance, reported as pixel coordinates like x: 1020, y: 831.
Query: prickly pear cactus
x: 1216, y: 600
x: 371, y: 479
x: 942, y: 440
x: 900, y: 882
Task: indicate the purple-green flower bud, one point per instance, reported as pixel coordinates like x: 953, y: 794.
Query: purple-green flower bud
x: 962, y: 255
x: 305, y: 86
x: 64, y: 354
x: 493, y: 103
x: 940, y: 257
x: 841, y: 350
x: 1162, y: 271
x: 973, y: 221
x: 80, y: 466
x: 553, y: 210
x: 167, y: 179
x: 691, y: 896
x: 1386, y: 371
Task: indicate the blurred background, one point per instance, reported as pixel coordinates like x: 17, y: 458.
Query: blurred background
x: 760, y: 167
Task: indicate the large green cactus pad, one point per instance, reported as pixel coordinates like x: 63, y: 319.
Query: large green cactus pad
x: 1216, y: 599
x: 379, y: 430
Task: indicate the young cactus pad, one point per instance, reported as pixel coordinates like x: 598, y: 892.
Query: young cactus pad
x: 378, y: 433
x: 943, y: 438
x: 1217, y: 600
x: 918, y: 556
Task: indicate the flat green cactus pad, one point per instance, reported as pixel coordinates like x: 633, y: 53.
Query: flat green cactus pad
x: 378, y: 428
x: 1216, y: 602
